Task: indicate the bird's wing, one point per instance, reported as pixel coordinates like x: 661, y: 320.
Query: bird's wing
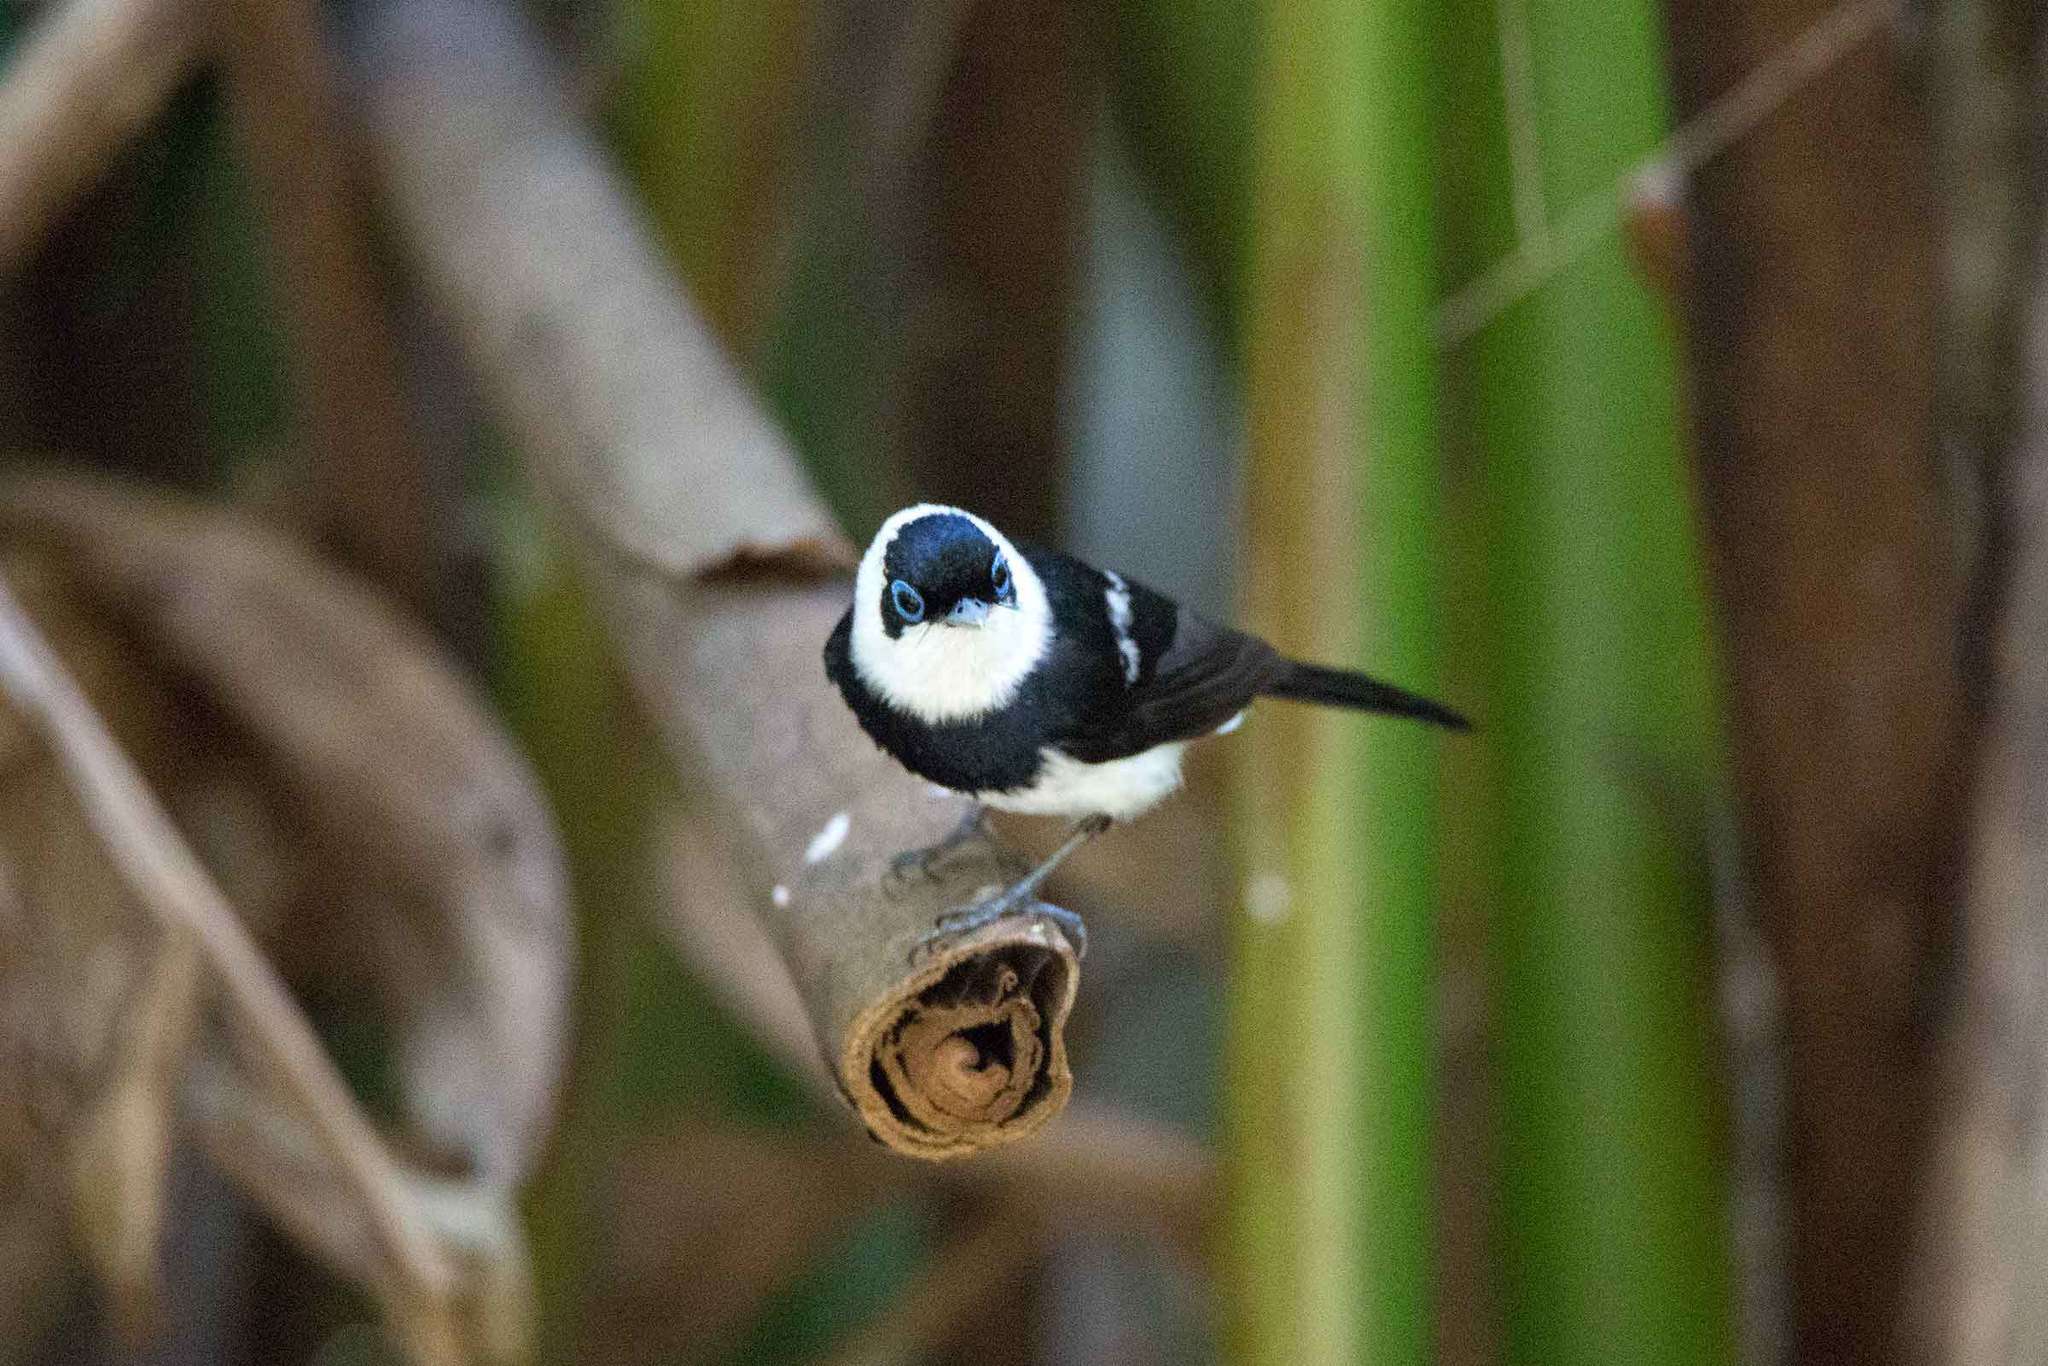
x: 1205, y: 675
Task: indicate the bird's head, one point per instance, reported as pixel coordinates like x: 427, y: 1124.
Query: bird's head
x: 945, y: 568
x: 948, y: 617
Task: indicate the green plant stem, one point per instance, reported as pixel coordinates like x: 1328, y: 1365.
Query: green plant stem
x: 1612, y: 1224
x: 1328, y: 1057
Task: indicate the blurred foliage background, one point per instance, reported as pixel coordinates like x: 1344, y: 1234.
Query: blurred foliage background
x: 1648, y: 381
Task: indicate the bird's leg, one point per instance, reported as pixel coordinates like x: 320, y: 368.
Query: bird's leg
x: 1019, y: 893
x: 1026, y: 888
x: 924, y: 862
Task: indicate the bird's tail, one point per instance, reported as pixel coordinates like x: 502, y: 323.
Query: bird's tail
x: 1340, y: 688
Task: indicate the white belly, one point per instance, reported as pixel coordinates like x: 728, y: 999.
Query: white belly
x: 1121, y: 788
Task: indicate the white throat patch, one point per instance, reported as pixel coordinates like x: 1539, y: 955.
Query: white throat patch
x: 948, y: 673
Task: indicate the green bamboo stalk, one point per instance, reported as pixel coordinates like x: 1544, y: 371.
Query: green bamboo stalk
x: 1612, y: 1215
x: 1328, y: 1076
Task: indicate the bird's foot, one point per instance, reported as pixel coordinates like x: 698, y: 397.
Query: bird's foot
x: 958, y: 924
x: 1023, y: 892
x: 926, y: 864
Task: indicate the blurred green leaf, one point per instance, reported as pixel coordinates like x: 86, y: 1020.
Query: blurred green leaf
x: 1185, y: 89
x: 1612, y: 1203
x: 867, y: 1269
x: 239, y: 341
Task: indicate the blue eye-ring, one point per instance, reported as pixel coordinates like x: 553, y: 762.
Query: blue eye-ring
x: 909, y: 602
x: 999, y: 574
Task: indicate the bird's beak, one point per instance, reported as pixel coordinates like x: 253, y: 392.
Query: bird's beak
x: 968, y: 612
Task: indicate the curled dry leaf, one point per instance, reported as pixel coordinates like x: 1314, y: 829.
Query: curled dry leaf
x: 362, y: 790
x: 1105, y: 1158
x: 122, y: 1150
x: 953, y: 1055
x: 959, y: 1059
x: 87, y: 77
x: 416, y: 811
x: 265, y: 1148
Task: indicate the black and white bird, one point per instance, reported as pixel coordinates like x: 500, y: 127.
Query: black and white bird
x: 1033, y: 682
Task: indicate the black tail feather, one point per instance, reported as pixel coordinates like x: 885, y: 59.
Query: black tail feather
x: 1340, y: 688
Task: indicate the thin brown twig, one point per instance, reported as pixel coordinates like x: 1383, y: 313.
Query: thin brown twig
x: 169, y: 883
x: 1557, y: 244
x: 83, y: 83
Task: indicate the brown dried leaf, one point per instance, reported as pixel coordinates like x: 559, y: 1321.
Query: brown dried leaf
x: 967, y: 1053
x: 97, y: 1006
x: 86, y: 78
x: 1105, y: 1158
x: 422, y: 819
x: 122, y: 1148
x: 254, y: 1137
x: 845, y: 925
x: 443, y: 1256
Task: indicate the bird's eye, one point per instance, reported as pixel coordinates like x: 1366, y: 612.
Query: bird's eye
x: 999, y: 574
x: 909, y: 602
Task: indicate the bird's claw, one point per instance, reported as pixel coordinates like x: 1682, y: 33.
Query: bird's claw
x: 926, y: 864
x: 916, y: 866
x: 957, y: 924
x: 913, y: 863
